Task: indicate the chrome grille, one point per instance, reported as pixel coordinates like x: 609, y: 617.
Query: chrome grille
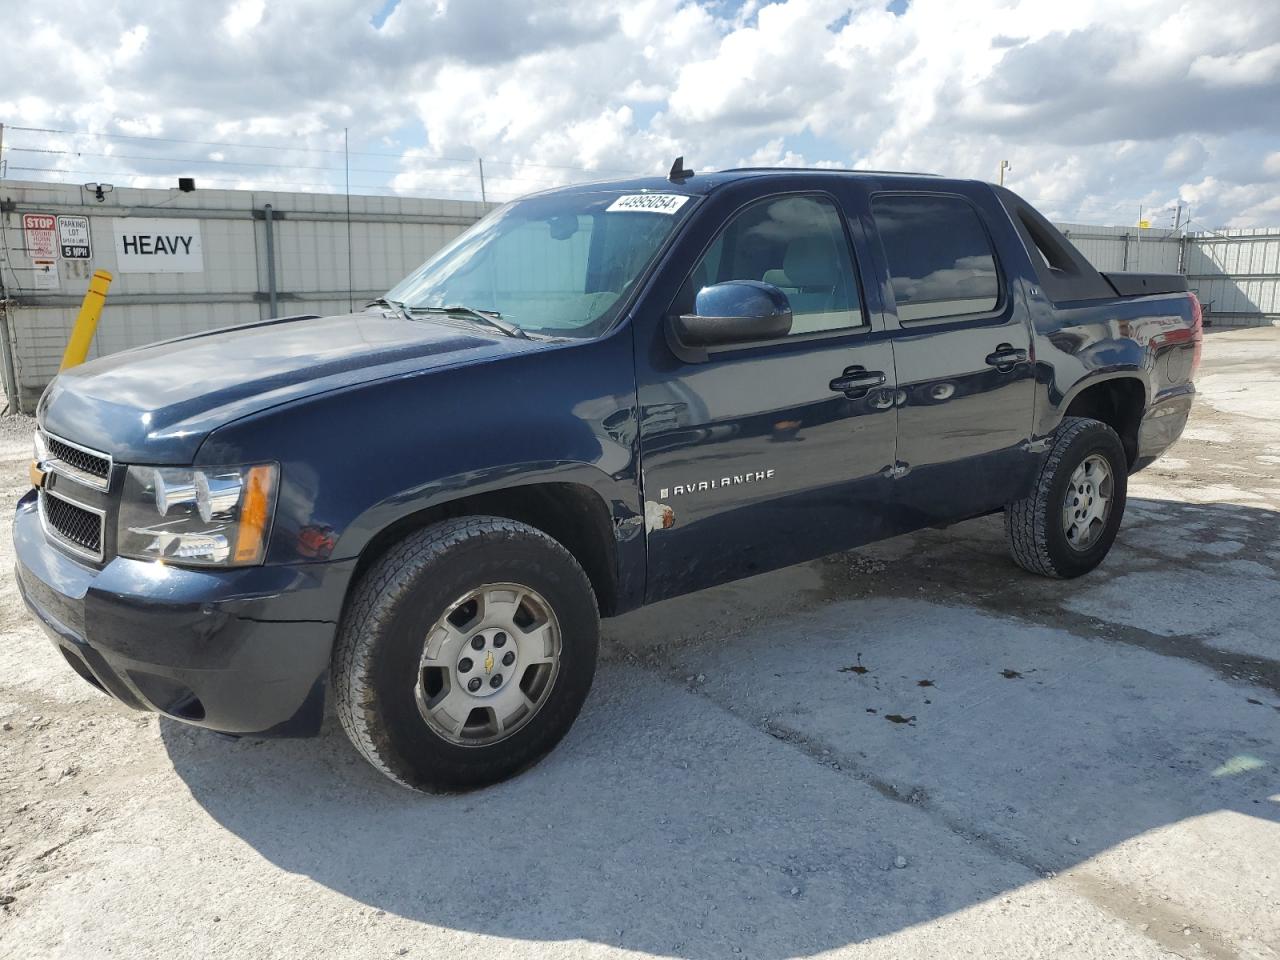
x: 77, y: 527
x: 76, y: 462
x: 80, y: 459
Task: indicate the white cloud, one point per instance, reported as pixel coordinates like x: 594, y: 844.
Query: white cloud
x: 1100, y: 105
x: 1186, y: 156
x: 773, y: 154
x: 131, y: 43
x: 243, y: 16
x: 1251, y: 68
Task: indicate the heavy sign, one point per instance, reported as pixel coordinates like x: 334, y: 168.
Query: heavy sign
x: 158, y: 246
x: 38, y: 230
x: 73, y: 238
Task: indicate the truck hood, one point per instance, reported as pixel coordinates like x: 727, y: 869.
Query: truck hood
x: 157, y: 404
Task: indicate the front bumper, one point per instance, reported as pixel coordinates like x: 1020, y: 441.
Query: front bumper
x: 239, y: 650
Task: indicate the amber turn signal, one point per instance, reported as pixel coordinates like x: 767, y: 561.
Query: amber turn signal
x: 255, y: 514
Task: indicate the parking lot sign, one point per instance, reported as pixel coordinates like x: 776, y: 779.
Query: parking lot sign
x: 73, y: 238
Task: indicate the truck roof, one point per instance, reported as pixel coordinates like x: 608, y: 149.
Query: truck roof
x: 700, y: 184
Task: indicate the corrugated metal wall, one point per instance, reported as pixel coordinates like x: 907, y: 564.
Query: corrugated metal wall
x: 390, y: 236
x: 1127, y: 248
x: 1236, y: 272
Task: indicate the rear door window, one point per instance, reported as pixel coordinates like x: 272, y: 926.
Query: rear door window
x: 941, y: 262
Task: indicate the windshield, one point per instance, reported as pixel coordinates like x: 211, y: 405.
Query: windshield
x: 560, y: 265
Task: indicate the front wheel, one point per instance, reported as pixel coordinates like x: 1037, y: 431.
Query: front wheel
x: 1066, y: 524
x: 465, y: 653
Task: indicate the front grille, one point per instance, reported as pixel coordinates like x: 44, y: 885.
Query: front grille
x: 73, y: 524
x: 96, y: 465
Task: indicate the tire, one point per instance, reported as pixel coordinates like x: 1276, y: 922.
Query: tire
x: 1036, y: 525
x: 404, y: 644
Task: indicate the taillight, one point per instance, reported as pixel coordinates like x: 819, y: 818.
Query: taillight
x: 1197, y: 331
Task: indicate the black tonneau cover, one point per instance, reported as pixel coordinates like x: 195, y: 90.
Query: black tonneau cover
x: 1143, y: 284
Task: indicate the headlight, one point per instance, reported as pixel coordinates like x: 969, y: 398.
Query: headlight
x: 207, y: 516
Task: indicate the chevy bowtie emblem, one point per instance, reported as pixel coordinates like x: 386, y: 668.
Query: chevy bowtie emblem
x: 36, y: 472
x: 488, y: 662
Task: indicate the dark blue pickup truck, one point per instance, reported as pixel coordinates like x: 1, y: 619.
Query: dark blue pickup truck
x: 597, y: 398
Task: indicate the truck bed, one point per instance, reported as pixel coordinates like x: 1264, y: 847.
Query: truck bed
x: 1145, y: 284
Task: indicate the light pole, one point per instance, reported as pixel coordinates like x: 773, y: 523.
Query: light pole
x: 1004, y: 165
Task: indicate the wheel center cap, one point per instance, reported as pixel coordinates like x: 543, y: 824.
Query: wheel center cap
x: 487, y: 662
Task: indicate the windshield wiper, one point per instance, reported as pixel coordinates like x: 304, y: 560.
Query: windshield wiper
x: 395, y: 305
x: 491, y: 318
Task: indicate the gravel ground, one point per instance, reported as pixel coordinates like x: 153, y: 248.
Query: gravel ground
x: 911, y: 750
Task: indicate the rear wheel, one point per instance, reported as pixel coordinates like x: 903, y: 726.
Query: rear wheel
x: 465, y: 654
x: 1066, y: 525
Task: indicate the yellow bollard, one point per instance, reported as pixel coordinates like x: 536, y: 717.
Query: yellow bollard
x: 87, y: 321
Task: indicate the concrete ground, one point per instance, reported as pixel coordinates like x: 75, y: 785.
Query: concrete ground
x: 911, y: 750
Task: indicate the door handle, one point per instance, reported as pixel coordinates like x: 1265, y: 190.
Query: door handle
x: 1006, y: 357
x: 856, y: 381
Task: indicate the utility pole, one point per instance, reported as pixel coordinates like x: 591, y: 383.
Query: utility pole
x: 1137, y: 254
x: 3, y: 162
x: 1004, y: 165
x: 483, y: 198
x: 346, y: 166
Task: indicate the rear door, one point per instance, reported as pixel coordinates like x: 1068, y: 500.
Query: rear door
x: 764, y: 454
x: 962, y: 349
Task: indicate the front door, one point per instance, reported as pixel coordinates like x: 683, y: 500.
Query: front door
x: 772, y: 453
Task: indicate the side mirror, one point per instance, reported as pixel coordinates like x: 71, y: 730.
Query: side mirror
x: 736, y: 311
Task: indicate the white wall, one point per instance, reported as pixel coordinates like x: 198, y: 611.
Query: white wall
x: 1126, y: 248
x: 1237, y: 273
x: 390, y: 236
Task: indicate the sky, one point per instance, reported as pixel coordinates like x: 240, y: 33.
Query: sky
x: 1102, y: 108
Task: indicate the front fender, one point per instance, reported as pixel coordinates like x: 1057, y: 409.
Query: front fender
x: 354, y: 462
x: 499, y: 477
